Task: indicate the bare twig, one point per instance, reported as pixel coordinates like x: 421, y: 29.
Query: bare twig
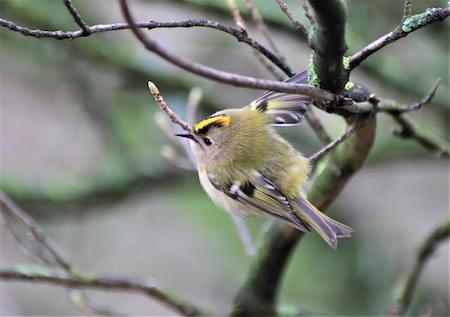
x: 317, y: 126
x: 77, y: 17
x: 147, y: 288
x: 240, y: 23
x: 261, y: 25
x: 187, y: 23
x: 297, y: 23
x: 39, y: 235
x: 164, y: 107
x: 71, y: 277
x: 425, y: 252
x: 407, y: 26
x: 244, y: 234
x: 407, y: 10
x: 193, y: 102
x: 408, y: 131
x: 14, y: 211
x: 391, y: 106
x: 221, y: 76
x: 326, y: 149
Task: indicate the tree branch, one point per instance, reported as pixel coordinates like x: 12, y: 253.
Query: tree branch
x: 240, y: 23
x: 77, y: 17
x: 295, y: 21
x: 328, y: 44
x: 329, y: 147
x: 89, y: 281
x: 424, y: 254
x: 408, y: 131
x: 396, y: 110
x: 259, y: 292
x: 221, y: 76
x: 240, y: 35
x: 409, y: 25
x: 15, y: 212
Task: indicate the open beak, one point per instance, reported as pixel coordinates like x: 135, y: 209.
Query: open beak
x: 188, y: 136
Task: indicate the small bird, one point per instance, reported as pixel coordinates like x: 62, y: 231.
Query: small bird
x: 247, y: 168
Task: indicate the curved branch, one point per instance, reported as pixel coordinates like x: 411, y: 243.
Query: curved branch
x: 409, y: 25
x: 425, y: 252
x: 240, y: 35
x: 221, y: 76
x: 147, y: 288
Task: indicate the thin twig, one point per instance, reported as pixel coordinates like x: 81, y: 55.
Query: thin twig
x: 244, y: 234
x: 425, y: 252
x: 151, y: 24
x: 147, y: 288
x: 407, y: 10
x: 240, y: 23
x: 408, y: 26
x: 10, y: 208
x: 193, y: 103
x: 261, y: 25
x: 77, y: 17
x: 317, y: 126
x: 164, y: 107
x: 38, y: 234
x: 408, y: 131
x: 326, y: 149
x: 297, y: 23
x: 221, y: 76
x: 391, y: 106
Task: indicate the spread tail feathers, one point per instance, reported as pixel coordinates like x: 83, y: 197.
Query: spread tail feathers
x: 329, y: 229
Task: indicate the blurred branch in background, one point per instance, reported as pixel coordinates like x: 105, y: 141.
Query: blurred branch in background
x: 240, y: 23
x: 189, y: 162
x: 426, y: 251
x: 74, y: 278
x: 408, y: 25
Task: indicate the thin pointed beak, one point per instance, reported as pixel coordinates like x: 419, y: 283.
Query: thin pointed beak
x: 187, y: 136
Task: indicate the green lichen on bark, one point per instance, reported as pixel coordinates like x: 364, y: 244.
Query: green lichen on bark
x: 411, y: 23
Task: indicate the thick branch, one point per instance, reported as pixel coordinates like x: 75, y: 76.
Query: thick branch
x: 408, y: 26
x: 328, y: 43
x: 240, y: 35
x: 221, y: 76
x: 106, y: 283
x: 425, y: 252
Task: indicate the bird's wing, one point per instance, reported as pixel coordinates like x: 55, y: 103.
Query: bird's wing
x: 257, y: 192
x: 284, y: 109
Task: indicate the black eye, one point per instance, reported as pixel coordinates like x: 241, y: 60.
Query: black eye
x: 207, y: 141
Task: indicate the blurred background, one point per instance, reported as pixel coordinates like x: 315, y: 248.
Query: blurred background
x: 81, y: 153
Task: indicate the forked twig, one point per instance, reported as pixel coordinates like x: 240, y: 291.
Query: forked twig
x: 77, y: 17
x: 297, y: 23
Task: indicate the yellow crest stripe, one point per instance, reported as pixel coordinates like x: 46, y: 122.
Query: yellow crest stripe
x: 205, y: 124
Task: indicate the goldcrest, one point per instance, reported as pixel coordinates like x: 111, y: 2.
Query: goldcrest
x: 247, y: 168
